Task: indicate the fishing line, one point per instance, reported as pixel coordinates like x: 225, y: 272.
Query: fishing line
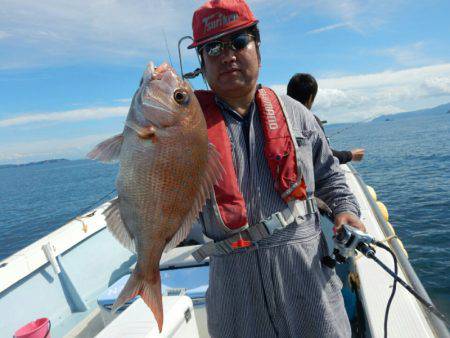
x: 165, y: 37
x: 430, y: 307
x: 167, y: 46
x: 351, y: 239
x: 394, y: 286
x: 101, y: 199
x: 353, y: 125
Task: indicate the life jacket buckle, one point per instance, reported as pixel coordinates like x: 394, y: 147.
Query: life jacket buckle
x: 241, y: 243
x: 275, y: 222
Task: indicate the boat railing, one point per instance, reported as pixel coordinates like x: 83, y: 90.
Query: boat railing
x: 436, y: 323
x: 24, y: 262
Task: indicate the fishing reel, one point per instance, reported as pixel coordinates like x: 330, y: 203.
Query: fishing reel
x: 350, y: 239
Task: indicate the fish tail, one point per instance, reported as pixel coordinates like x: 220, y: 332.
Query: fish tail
x: 150, y: 291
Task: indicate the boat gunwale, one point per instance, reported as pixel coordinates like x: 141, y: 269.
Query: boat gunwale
x: 437, y: 325
x: 23, y: 263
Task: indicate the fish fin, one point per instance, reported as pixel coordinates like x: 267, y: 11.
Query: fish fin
x: 149, y: 292
x: 117, y: 226
x: 108, y: 150
x: 181, y: 234
x: 214, y: 172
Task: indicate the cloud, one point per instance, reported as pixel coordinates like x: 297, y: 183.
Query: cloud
x: 47, y: 149
x: 361, y: 97
x: 58, y: 30
x: 3, y: 35
x: 55, y: 32
x: 66, y: 116
x: 361, y: 16
x: 438, y: 84
x: 410, y: 55
x: 329, y: 28
x: 124, y: 100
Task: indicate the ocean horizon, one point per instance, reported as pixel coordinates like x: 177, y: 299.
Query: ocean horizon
x: 407, y: 162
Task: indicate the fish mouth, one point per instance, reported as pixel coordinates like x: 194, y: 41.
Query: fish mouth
x: 156, y: 93
x: 148, y: 73
x: 161, y: 70
x: 157, y: 73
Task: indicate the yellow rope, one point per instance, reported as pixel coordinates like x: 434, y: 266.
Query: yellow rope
x: 85, y: 226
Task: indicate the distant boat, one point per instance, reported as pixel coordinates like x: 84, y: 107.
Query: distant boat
x: 435, y: 111
x: 73, y: 275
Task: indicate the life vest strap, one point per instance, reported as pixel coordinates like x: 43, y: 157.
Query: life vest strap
x: 267, y: 227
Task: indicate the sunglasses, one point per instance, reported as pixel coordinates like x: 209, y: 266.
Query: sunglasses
x: 237, y: 42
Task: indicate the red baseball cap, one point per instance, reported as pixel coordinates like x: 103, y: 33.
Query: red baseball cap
x: 220, y: 17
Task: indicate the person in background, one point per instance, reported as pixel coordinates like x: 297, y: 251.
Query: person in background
x: 303, y: 88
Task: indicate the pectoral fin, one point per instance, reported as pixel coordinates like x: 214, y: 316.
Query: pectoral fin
x: 148, y: 132
x: 108, y: 151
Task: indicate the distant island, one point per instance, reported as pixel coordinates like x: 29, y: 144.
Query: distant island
x: 57, y: 160
x: 438, y: 110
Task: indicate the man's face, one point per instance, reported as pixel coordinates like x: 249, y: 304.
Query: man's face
x: 232, y: 73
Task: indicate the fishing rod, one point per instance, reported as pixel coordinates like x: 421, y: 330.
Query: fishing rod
x: 350, y: 240
x: 197, y: 71
x: 352, y: 125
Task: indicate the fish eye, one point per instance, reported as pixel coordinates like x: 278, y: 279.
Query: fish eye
x: 181, y: 96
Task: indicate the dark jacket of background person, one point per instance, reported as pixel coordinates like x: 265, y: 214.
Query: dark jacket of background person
x: 303, y: 88
x: 343, y: 156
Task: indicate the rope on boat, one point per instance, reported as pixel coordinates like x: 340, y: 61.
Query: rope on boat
x: 92, y: 205
x: 86, y: 209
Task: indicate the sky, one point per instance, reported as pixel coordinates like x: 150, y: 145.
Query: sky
x: 69, y: 68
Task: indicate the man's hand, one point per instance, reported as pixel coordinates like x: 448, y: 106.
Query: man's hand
x: 348, y: 218
x: 357, y: 154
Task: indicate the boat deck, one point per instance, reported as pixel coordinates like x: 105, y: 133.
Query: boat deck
x: 90, y: 260
x: 406, y: 316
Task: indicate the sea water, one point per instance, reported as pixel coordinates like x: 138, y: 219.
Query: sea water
x: 407, y: 162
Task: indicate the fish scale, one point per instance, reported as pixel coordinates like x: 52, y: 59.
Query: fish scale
x: 167, y: 170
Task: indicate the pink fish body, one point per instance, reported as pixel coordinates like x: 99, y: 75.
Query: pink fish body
x: 167, y: 171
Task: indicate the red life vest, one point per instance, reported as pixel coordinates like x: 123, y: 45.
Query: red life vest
x: 279, y: 152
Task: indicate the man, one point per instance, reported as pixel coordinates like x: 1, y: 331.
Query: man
x: 266, y: 276
x: 303, y: 88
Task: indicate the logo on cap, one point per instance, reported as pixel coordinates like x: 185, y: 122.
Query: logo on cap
x: 217, y: 17
x: 217, y: 20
